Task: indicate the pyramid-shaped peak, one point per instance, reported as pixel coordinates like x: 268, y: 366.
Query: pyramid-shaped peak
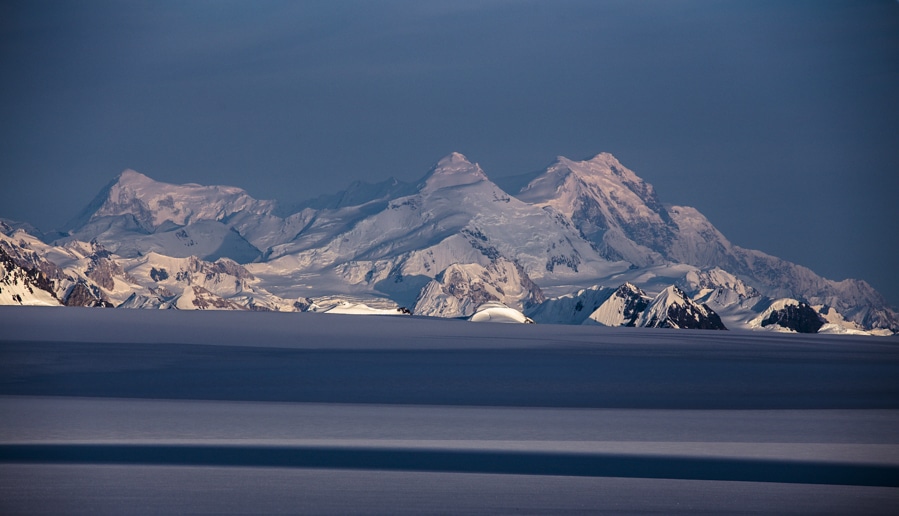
x: 603, y: 164
x: 630, y: 288
x: 129, y: 176
x: 672, y: 308
x: 453, y: 159
x: 605, y: 157
x: 673, y: 293
x: 601, y: 175
x: 152, y: 203
x: 566, y: 178
x: 453, y: 170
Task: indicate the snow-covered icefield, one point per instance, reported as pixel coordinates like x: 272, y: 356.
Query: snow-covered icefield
x: 121, y: 411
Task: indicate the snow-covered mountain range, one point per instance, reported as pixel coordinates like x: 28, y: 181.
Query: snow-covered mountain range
x: 584, y: 242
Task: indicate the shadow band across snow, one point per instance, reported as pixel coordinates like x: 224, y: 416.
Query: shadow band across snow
x: 719, y: 376
x: 458, y: 461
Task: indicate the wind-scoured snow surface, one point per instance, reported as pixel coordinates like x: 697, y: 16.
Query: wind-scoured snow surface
x: 158, y: 412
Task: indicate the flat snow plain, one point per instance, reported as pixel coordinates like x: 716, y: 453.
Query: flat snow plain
x: 153, y: 412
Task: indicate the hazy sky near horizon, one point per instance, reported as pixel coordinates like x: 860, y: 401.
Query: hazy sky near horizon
x: 778, y: 120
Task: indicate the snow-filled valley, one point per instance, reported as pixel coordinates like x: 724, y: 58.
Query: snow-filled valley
x: 167, y: 411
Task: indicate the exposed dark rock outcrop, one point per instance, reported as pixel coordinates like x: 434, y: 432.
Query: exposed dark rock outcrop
x: 800, y: 318
x: 81, y: 294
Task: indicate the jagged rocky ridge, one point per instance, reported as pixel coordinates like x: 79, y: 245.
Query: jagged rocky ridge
x: 86, y: 274
x: 629, y: 306
x: 441, y: 246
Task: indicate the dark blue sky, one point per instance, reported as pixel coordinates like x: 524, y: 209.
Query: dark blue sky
x: 779, y: 120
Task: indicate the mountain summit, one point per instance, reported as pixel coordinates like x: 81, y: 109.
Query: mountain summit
x: 452, y: 170
x: 613, y: 208
x: 134, y: 215
x: 154, y: 203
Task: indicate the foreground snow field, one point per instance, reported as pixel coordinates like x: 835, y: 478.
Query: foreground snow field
x: 111, y: 411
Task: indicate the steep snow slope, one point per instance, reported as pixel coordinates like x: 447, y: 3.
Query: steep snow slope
x: 23, y: 286
x: 698, y: 242
x: 609, y: 204
x: 572, y: 308
x: 622, y: 308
